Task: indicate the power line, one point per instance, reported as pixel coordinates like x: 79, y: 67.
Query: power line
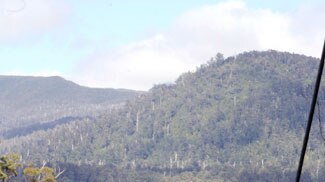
x: 311, y: 114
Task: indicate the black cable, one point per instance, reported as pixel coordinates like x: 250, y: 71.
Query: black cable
x: 311, y: 114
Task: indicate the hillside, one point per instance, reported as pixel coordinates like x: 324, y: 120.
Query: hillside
x: 236, y: 119
x: 33, y: 100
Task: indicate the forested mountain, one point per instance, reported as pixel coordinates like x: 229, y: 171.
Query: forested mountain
x: 27, y: 101
x: 236, y: 119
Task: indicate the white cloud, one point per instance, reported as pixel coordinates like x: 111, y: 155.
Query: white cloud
x: 136, y: 66
x: 229, y: 27
x: 23, y: 18
x: 42, y: 73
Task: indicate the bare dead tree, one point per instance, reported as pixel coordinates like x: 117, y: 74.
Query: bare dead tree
x: 320, y: 121
x: 59, y: 172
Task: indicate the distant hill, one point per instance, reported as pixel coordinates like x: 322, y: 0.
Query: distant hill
x: 27, y: 100
x: 20, y: 91
x: 239, y: 118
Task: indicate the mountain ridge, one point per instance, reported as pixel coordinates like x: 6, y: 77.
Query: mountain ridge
x: 28, y: 99
x: 238, y: 118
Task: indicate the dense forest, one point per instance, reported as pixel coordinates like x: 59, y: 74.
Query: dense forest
x: 33, y: 103
x: 239, y: 118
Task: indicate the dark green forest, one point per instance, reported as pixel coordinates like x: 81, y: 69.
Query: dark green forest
x: 239, y: 118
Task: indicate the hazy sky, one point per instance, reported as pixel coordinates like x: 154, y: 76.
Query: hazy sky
x: 137, y: 43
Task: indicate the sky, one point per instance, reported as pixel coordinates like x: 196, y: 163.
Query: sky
x: 136, y: 44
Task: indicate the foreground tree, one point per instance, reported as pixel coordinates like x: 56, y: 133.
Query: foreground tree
x: 8, y: 166
x: 10, y: 163
x: 44, y: 174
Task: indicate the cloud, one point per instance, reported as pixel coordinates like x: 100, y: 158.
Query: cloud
x: 21, y: 19
x: 137, y: 66
x: 196, y: 36
x: 42, y: 73
x: 308, y: 29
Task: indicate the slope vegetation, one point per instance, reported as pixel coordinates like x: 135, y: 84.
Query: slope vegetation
x: 33, y: 100
x: 235, y: 119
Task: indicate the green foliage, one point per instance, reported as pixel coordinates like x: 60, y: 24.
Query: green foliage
x: 42, y: 174
x: 8, y: 166
x: 236, y: 119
